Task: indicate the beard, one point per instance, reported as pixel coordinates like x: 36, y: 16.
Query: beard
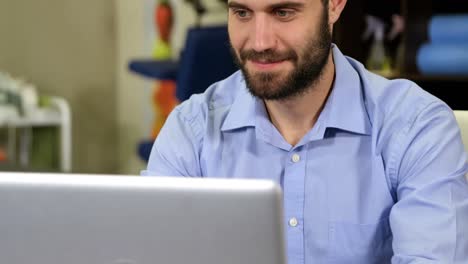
x: 307, y: 70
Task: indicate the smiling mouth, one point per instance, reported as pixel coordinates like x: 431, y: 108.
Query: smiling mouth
x: 266, y: 65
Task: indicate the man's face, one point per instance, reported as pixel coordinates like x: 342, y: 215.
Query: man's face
x: 281, y: 46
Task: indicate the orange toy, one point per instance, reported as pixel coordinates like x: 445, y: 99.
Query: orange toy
x: 163, y: 19
x: 164, y: 101
x: 164, y: 98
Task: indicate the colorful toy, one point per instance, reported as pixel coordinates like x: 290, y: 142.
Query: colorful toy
x: 163, y: 21
x: 164, y: 99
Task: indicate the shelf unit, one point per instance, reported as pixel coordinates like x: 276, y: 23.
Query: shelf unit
x: 417, y: 14
x: 58, y: 114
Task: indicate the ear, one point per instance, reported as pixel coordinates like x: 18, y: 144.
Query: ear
x: 335, y: 7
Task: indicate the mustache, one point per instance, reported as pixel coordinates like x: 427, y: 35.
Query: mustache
x: 267, y: 56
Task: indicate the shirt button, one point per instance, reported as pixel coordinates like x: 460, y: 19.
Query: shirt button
x: 293, y: 222
x: 296, y: 158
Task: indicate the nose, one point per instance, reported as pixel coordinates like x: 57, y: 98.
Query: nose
x: 263, y: 35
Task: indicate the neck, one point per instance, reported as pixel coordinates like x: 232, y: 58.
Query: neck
x: 294, y: 117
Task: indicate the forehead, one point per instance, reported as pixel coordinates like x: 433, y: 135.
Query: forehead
x: 259, y: 4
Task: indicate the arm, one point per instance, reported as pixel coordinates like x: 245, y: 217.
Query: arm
x: 176, y: 149
x: 430, y: 219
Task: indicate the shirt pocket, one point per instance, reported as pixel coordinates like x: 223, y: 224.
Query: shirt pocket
x: 360, y: 243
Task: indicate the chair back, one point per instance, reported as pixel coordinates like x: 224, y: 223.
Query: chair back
x: 205, y: 59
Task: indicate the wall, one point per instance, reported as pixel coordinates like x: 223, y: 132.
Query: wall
x: 133, y: 90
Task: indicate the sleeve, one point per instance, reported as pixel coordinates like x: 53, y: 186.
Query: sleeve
x: 176, y: 149
x: 429, y: 221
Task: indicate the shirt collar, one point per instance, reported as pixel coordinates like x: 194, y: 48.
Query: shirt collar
x: 345, y: 108
x: 243, y: 110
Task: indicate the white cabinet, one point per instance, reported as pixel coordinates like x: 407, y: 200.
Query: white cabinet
x: 57, y: 114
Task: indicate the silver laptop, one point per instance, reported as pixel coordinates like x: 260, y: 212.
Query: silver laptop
x: 84, y: 219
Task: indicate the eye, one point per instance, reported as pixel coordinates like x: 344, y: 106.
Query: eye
x: 241, y: 13
x: 284, y: 13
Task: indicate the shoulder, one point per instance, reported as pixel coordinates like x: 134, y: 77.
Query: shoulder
x: 186, y: 128
x: 396, y: 103
x: 406, y: 120
x: 410, y: 127
x: 214, y: 103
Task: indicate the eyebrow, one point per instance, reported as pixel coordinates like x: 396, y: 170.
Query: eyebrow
x: 233, y: 4
x: 287, y: 4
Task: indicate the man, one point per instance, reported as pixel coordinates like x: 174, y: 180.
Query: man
x: 372, y: 170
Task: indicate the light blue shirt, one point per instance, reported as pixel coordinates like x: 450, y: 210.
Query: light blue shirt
x: 378, y: 179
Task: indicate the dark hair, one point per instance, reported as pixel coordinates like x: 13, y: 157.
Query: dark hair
x: 325, y: 3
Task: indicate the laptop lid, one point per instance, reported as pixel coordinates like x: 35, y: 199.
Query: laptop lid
x: 76, y: 219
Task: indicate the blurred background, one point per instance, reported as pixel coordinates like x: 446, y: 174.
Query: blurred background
x: 86, y: 85
x: 79, y: 51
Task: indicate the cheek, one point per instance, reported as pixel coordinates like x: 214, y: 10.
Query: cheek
x: 293, y: 36
x: 238, y: 35
x: 235, y: 46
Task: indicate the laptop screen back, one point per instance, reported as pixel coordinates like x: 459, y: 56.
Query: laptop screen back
x: 76, y: 219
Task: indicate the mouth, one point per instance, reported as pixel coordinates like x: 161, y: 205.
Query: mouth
x: 267, y: 65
